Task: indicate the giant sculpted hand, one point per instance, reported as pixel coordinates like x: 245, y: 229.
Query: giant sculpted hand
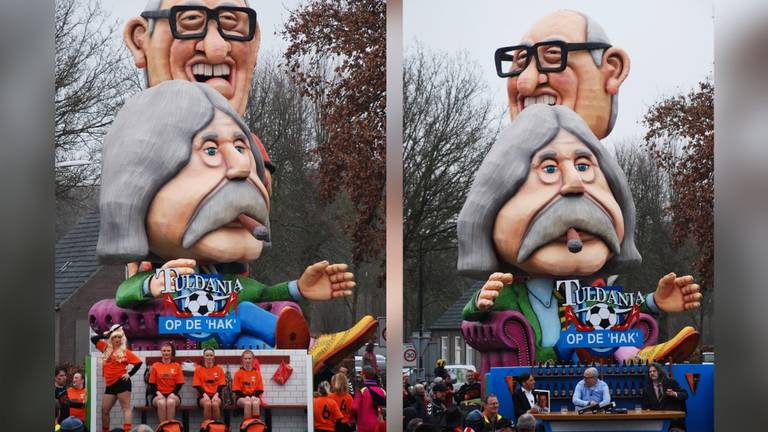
x: 324, y: 281
x: 677, y: 294
x: 184, y: 266
x: 488, y: 293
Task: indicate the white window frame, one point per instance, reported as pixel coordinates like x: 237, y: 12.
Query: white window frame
x: 458, y: 341
x: 444, y: 347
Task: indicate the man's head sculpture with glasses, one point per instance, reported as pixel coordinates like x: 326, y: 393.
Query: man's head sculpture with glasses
x: 565, y: 59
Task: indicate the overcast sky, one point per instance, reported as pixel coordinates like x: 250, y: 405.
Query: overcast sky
x: 670, y: 43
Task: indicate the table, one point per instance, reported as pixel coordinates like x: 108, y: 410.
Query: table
x: 645, y: 421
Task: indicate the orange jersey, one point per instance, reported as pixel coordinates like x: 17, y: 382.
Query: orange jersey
x: 248, y: 382
x: 166, y: 376
x: 76, y: 395
x: 344, y: 401
x: 209, y: 379
x: 114, y: 369
x: 326, y: 413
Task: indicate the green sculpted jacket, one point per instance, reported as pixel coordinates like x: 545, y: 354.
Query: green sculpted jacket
x: 515, y: 297
x: 130, y: 293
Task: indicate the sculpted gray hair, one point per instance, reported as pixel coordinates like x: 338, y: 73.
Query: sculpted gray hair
x: 506, y: 167
x: 596, y: 33
x: 149, y: 142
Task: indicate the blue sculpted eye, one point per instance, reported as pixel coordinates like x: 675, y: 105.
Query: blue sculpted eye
x: 582, y: 167
x: 240, y: 149
x: 550, y: 169
x: 211, y: 151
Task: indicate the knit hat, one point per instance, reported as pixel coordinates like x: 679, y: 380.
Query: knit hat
x: 72, y: 424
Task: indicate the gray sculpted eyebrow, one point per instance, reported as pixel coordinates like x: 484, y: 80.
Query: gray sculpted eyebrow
x: 548, y: 154
x: 210, y: 135
x: 583, y: 153
x: 239, y: 135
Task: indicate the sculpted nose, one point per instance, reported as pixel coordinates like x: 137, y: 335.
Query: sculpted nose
x: 213, y: 45
x: 572, y: 182
x: 529, y: 79
x: 238, y: 164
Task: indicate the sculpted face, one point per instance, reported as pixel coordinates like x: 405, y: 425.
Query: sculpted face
x: 225, y: 65
x: 582, y: 86
x: 211, y: 208
x: 533, y: 219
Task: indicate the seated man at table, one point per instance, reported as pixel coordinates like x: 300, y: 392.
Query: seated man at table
x: 591, y: 390
x: 526, y: 423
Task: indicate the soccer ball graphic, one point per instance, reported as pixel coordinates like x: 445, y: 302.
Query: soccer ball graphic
x: 602, y: 316
x: 200, y: 303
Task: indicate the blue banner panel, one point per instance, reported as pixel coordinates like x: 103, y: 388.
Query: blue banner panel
x: 199, y: 324
x: 602, y: 338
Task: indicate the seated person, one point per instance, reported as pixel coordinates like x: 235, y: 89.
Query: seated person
x: 248, y: 386
x: 208, y: 381
x: 165, y: 381
x: 591, y: 390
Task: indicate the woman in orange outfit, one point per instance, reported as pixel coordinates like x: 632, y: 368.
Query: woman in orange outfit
x: 340, y: 394
x: 118, y: 382
x: 209, y: 380
x: 165, y: 381
x: 248, y: 386
x: 325, y: 409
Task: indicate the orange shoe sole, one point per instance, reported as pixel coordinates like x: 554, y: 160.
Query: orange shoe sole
x: 330, y: 350
x: 291, y: 330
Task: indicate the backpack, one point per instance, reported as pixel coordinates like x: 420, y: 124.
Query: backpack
x: 252, y: 425
x: 212, y: 426
x: 377, y: 399
x: 170, y: 426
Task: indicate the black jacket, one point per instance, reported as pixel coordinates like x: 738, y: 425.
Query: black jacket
x: 520, y: 403
x: 650, y: 401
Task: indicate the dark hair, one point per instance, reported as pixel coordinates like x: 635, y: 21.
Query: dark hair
x: 523, y: 377
x: 60, y: 369
x: 659, y: 368
x: 491, y: 395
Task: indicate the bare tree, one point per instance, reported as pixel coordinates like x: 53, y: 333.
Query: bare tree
x: 449, y: 124
x: 304, y: 228
x: 93, y: 77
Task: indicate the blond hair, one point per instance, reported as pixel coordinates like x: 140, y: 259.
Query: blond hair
x: 119, y: 352
x: 340, y: 384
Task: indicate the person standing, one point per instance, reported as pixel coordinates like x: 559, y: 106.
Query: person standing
x: 493, y: 420
x: 591, y: 390
x: 436, y: 407
x: 118, y: 382
x: 60, y: 391
x: 76, y: 396
x: 326, y: 411
x: 209, y: 380
x: 368, y: 401
x: 369, y: 358
x: 523, y: 398
x: 661, y: 392
x: 340, y: 394
x: 165, y: 381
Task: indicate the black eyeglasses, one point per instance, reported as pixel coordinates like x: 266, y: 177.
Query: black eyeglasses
x: 191, y: 22
x: 550, y: 56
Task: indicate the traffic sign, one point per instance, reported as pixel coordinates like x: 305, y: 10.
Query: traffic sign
x: 409, y: 355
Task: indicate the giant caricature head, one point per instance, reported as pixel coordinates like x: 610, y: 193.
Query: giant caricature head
x: 182, y: 178
x: 224, y: 63
x: 547, y: 179
x: 590, y: 80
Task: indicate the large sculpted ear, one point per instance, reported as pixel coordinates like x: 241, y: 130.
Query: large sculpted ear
x: 134, y: 35
x: 615, y: 68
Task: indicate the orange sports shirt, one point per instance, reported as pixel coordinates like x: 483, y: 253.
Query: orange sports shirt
x: 114, y: 369
x: 209, y: 378
x: 247, y: 382
x: 345, y: 404
x: 166, y: 376
x: 76, y: 395
x: 326, y: 413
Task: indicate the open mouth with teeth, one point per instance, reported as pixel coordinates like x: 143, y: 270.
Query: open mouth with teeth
x: 203, y: 72
x: 541, y: 99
